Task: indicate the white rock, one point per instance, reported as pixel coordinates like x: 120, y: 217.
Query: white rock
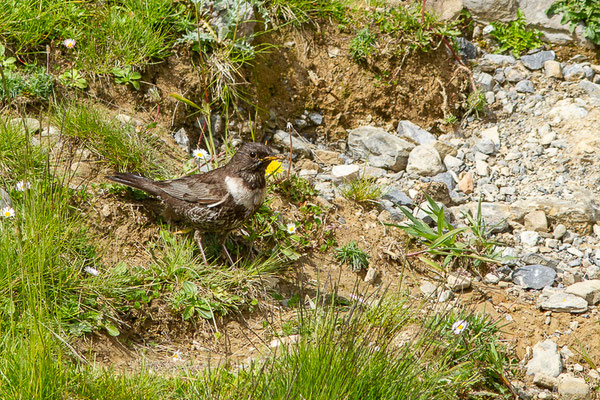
x: 456, y: 282
x: 545, y: 360
x: 424, y: 160
x: 588, y: 290
x: 529, y: 238
x: 492, y: 134
x: 572, y: 388
x: 345, y: 173
x: 564, y: 302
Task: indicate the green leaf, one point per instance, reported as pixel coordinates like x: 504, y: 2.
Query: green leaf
x: 111, y: 329
x: 186, y: 101
x: 188, y: 312
x: 190, y: 288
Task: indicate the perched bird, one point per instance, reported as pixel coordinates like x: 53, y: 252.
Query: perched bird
x: 218, y: 201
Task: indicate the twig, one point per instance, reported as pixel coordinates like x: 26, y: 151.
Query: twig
x: 290, y: 127
x: 416, y: 253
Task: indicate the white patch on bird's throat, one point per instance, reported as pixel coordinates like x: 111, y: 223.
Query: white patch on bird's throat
x: 244, y: 196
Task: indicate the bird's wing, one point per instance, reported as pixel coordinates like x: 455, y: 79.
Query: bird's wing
x: 194, y: 189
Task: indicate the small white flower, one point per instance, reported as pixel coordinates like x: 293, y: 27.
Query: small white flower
x: 22, y: 186
x: 8, y: 212
x: 139, y: 129
x: 69, y: 43
x: 201, y: 154
x: 358, y: 298
x: 176, y: 357
x: 290, y: 228
x: 459, y: 326
x: 91, y: 271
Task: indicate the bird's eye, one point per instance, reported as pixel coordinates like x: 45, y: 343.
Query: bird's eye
x: 253, y: 154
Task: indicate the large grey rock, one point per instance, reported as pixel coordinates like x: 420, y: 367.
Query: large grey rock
x: 525, y: 86
x: 588, y: 290
x: 445, y: 9
x: 397, y: 197
x: 534, y: 276
x: 485, y: 81
x: 546, y: 359
x: 424, y: 160
x: 515, y: 74
x: 564, y: 302
x: 497, y: 60
x: 572, y: 388
x: 485, y: 146
x: 536, y: 61
x: 573, y: 72
x: 379, y: 147
x: 414, y: 133
x: 299, y: 144
x: 486, y: 11
x: 592, y: 89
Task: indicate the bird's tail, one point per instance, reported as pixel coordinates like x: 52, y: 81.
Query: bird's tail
x: 136, y: 181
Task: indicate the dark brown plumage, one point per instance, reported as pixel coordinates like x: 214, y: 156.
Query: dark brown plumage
x: 217, y: 201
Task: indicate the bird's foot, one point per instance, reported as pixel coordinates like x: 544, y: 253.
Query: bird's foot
x: 198, y: 237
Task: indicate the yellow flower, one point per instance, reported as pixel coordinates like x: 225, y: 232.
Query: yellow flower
x: 274, y: 168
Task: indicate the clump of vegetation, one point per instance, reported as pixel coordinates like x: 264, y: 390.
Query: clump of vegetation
x: 353, y: 256
x: 72, y: 78
x: 576, y: 11
x: 468, y: 247
x: 32, y: 83
x: 296, y: 189
x: 362, y: 45
x: 515, y: 37
x: 363, y: 190
x: 126, y: 76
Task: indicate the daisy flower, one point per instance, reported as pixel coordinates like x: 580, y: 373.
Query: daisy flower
x: 8, y: 212
x: 201, y: 154
x: 91, y: 271
x: 459, y: 326
x: 22, y: 186
x: 290, y: 228
x: 274, y: 168
x: 176, y: 357
x: 139, y: 129
x: 69, y: 43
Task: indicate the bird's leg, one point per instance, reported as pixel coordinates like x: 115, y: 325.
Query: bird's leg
x: 198, y: 237
x: 224, y: 247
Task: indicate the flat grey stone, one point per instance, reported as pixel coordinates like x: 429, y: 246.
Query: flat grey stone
x: 536, y: 258
x: 592, y: 89
x: 345, y: 173
x: 536, y: 61
x: 499, y: 60
x: 485, y: 81
x: 588, y: 290
x: 380, y: 148
x: 315, y: 117
x: 397, y: 197
x: 564, y: 302
x: 534, y: 276
x: 525, y: 86
x: 445, y: 178
x: 414, y: 133
x: 485, y: 146
x: 424, y: 160
x: 573, y: 72
x: 545, y: 360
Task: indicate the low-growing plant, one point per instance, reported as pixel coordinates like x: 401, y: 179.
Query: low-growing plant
x: 363, y: 190
x: 296, y: 189
x: 353, y: 256
x: 6, y: 62
x: 576, y: 11
x: 467, y: 246
x: 515, y: 36
x: 362, y: 45
x: 126, y: 76
x: 72, y: 78
x: 32, y: 83
x: 476, y: 103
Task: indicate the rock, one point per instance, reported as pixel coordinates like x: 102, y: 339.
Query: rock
x: 545, y: 381
x: 225, y: 16
x: 577, y: 214
x: 535, y: 258
x: 328, y: 157
x: 485, y: 81
x: 552, y: 69
x: 128, y: 120
x: 492, y: 134
x: 465, y: 184
x: 559, y: 231
x: 444, y: 149
x: 26, y: 125
x: 366, y: 171
x: 592, y: 89
x: 457, y: 283
x: 445, y: 9
x: 182, y: 139
x: 573, y: 72
x: 485, y: 146
x: 490, y: 62
x: 424, y: 160
x: 564, y: 302
x: 445, y: 178
x: 445, y: 296
x: 486, y: 11
x: 525, y: 86
x: 482, y: 168
x: 566, y: 110
x: 515, y: 74
x: 466, y: 48
x: 345, y: 173
x: 452, y: 163
x: 411, y: 132
x: 371, y: 275
x: 315, y: 117
x: 379, y: 147
x: 491, y: 278
x: 588, y: 290
x: 428, y: 288
x: 572, y: 388
x: 534, y: 276
x: 529, y: 238
x: 545, y: 360
x: 495, y: 215
x: 82, y: 168
x: 397, y: 197
x: 299, y: 144
x: 536, y: 221
x: 536, y: 61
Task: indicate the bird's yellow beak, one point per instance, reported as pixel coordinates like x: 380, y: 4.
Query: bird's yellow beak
x: 272, y: 158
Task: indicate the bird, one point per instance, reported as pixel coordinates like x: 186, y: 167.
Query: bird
x: 218, y: 201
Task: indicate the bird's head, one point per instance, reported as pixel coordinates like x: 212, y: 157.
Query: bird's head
x: 253, y: 157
